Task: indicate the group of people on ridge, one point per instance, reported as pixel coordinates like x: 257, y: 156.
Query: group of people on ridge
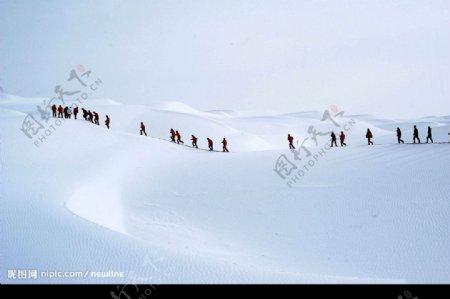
x: 415, y: 135
x: 67, y: 112
x: 369, y: 137
x: 64, y: 112
x: 175, y: 137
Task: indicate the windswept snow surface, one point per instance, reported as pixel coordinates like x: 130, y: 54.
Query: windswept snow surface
x: 90, y: 199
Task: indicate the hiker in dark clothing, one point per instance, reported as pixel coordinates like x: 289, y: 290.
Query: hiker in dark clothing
x: 399, y: 136
x: 210, y: 144
x: 416, y: 135
x: 225, y: 142
x: 291, y: 139
x: 96, y: 118
x: 342, y: 139
x: 429, y: 136
x: 66, y: 115
x: 75, y: 112
x: 107, y: 121
x: 172, y: 135
x: 85, y: 114
x: 333, y: 139
x: 194, y: 141
x: 90, y: 116
x: 369, y: 136
x: 54, y: 110
x: 179, y: 137
x: 143, y: 129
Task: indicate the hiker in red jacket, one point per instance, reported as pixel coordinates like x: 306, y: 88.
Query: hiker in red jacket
x: 75, y: 112
x: 291, y: 139
x: 60, y: 111
x: 143, y: 129
x: 342, y: 139
x: 54, y: 110
x: 210, y: 144
x: 107, y: 121
x: 179, y: 137
x: 225, y: 142
x: 172, y: 135
x: 194, y: 141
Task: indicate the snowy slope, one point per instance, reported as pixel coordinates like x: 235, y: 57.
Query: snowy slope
x: 92, y: 199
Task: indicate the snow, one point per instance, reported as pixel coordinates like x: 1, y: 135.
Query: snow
x: 92, y: 199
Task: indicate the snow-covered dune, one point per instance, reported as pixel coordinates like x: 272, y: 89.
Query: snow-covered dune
x: 91, y: 199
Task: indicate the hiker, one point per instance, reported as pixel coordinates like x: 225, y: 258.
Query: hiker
x: 54, y: 110
x: 194, y: 141
x: 333, y: 139
x: 291, y: 139
x: 90, y: 116
x: 416, y: 135
x: 225, y: 142
x: 429, y: 136
x: 143, y: 129
x: 96, y: 118
x: 342, y: 139
x: 69, y: 112
x: 75, y: 112
x: 179, y: 137
x: 85, y: 114
x: 369, y: 136
x: 65, y: 112
x: 172, y: 135
x: 210, y: 144
x: 107, y: 121
x: 60, y: 111
x: 399, y: 136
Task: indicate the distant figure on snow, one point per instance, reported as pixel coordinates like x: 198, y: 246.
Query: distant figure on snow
x: 107, y: 121
x: 60, y: 111
x: 194, y: 141
x: 69, y: 112
x: 291, y: 139
x: 90, y: 116
x: 210, y: 144
x: 369, y: 136
x: 416, y: 135
x: 333, y: 139
x: 399, y: 136
x: 179, y: 137
x: 172, y: 135
x: 429, y: 136
x: 65, y: 112
x: 143, y: 129
x: 96, y: 118
x: 225, y: 142
x: 54, y: 110
x: 342, y: 139
x: 75, y: 112
x: 85, y: 113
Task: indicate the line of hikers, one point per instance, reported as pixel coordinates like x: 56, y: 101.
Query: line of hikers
x: 64, y: 112
x: 369, y: 137
x: 67, y: 112
x: 175, y: 137
x: 415, y: 135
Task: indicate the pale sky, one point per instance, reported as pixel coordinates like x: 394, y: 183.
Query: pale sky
x: 386, y: 58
